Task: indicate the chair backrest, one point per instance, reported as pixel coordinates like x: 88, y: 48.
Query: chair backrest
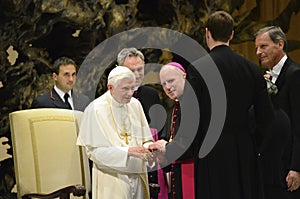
x: 46, y: 157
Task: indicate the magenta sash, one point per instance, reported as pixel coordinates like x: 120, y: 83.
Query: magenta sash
x: 187, y: 177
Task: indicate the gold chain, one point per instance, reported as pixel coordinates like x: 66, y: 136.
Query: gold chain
x: 123, y: 135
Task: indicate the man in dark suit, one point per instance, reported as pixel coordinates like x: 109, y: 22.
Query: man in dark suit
x: 271, y: 47
x: 230, y: 170
x: 61, y: 95
x: 179, y: 143
x: 134, y: 59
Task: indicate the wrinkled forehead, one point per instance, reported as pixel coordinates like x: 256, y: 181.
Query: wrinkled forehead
x: 169, y: 73
x: 170, y: 70
x: 124, y: 82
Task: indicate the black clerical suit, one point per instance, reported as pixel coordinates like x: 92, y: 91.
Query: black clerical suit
x: 288, y: 99
x: 148, y: 97
x: 184, y: 146
x: 230, y: 170
x: 53, y: 100
x: 171, y: 167
x: 274, y: 155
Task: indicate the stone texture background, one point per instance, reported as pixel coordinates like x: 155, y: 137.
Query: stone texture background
x: 34, y: 33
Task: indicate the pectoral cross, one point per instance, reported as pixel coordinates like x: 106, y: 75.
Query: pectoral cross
x: 126, y: 136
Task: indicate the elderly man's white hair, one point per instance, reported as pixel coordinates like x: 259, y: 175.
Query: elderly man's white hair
x: 119, y: 73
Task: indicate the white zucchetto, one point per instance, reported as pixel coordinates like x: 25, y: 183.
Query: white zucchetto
x: 118, y: 71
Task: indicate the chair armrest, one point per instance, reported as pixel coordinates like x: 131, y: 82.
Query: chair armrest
x: 64, y: 193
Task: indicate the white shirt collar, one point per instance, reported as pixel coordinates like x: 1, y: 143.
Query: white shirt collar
x: 277, y: 68
x: 61, y: 93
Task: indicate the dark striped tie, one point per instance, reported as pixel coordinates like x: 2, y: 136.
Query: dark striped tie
x: 66, y: 96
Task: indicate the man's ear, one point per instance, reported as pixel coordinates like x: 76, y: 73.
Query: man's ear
x: 207, y: 33
x: 54, y: 76
x: 109, y: 87
x: 231, y: 36
x: 281, y: 44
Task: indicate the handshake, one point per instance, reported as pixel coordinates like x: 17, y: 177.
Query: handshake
x: 153, y: 152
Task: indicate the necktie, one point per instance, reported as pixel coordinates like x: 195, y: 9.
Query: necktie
x: 66, y: 96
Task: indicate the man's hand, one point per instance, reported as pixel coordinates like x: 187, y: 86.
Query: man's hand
x: 140, y: 152
x: 293, y: 180
x: 159, y: 145
x: 159, y: 156
x: 159, y: 150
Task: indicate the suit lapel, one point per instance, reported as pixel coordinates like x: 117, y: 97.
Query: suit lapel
x: 281, y: 78
x: 57, y: 101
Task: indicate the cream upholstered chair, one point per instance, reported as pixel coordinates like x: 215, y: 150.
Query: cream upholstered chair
x: 46, y: 158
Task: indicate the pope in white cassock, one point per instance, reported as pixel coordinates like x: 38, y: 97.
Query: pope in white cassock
x: 115, y: 133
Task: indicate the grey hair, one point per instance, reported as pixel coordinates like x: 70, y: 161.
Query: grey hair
x: 276, y: 34
x: 115, y: 80
x: 128, y: 52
